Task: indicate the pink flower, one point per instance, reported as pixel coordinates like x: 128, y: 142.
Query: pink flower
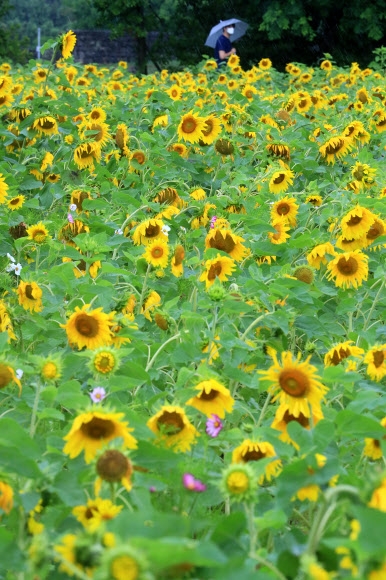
x: 70, y: 218
x: 98, y: 394
x: 214, y: 425
x: 191, y: 483
x: 213, y: 221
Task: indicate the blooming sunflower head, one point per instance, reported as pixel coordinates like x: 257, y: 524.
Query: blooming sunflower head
x: 88, y: 328
x: 68, y: 42
x: 254, y: 451
x: 349, y: 269
x: 30, y: 296
x: 157, y: 253
x: 38, y: 233
x: 356, y: 223
x: 148, y: 231
x: 92, y: 430
x: 376, y: 362
x: 212, y: 398
x: 220, y: 267
x: 294, y: 383
x: 281, y: 180
x: 225, y: 240
x: 191, y: 127
x: 95, y: 513
x: 341, y: 351
x: 173, y: 428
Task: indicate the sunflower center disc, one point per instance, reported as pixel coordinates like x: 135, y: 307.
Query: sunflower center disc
x: 302, y: 420
x: 214, y: 271
x: 171, y: 422
x: 378, y: 358
x: 253, y: 455
x: 208, y: 396
x: 28, y: 292
x: 347, y: 267
x: 98, y: 428
x: 87, y: 325
x: 294, y: 383
x: 220, y: 243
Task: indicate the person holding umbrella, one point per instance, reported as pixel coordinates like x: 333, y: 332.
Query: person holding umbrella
x: 219, y: 38
x: 224, y: 48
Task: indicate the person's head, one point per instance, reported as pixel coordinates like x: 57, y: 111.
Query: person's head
x: 229, y: 30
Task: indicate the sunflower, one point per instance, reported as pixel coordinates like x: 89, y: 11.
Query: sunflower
x: 113, y: 466
x: 376, y: 362
x: 152, y: 301
x: 97, y: 114
x: 312, y: 490
x: 357, y: 222
x: 180, y: 149
x: 191, y: 128
x: 349, y: 269
x: 286, y: 209
x: 95, y: 512
x: 121, y: 136
x: 148, y: 231
x: 304, y: 274
x: 177, y: 261
x: 254, y: 451
x: 30, y: 296
x: 239, y: 483
x: 7, y: 374
x: 378, y: 498
x: 219, y: 267
x: 46, y: 126
x: 280, y: 235
x: 5, y: 322
x: 249, y: 91
x: 233, y: 60
x: 68, y: 42
x: 317, y: 256
x: 169, y: 196
x: 265, y: 64
x: 157, y: 253
x: 295, y: 384
x: 6, y: 497
x: 373, y: 447
x: 88, y: 328
x: 175, y: 92
x: 336, y: 147
x: 281, y: 180
x: 77, y: 198
x: 225, y: 240
x: 278, y: 149
x: 104, y: 360
x: 315, y: 200
x: 86, y: 153
x: 213, y: 398
x: 79, y: 557
x: 51, y: 368
x: 16, y: 202
x: 283, y: 418
x: 93, y: 131
x: 3, y: 189
x: 173, y: 428
x: 91, y: 430
x: 377, y: 228
x: 211, y: 130
x: 340, y: 352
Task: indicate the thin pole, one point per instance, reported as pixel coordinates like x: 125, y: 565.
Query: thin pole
x: 38, y: 46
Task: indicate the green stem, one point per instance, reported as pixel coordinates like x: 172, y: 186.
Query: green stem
x: 373, y: 305
x: 250, y: 513
x: 263, y: 410
x: 144, y: 286
x: 150, y: 363
x: 37, y: 258
x: 253, y: 324
x: 269, y: 565
x: 32, y: 427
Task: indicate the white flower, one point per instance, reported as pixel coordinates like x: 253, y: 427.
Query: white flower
x: 10, y: 267
x: 165, y: 230
x: 73, y: 207
x: 183, y: 229
x: 119, y: 232
x: 17, y: 269
x: 11, y: 258
x: 19, y: 373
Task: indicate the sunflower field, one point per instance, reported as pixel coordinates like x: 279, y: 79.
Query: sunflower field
x: 192, y: 322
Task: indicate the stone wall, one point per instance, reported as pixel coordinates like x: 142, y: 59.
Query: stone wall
x: 97, y: 46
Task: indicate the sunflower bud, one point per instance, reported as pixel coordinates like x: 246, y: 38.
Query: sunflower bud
x: 217, y: 292
x: 239, y: 483
x: 161, y: 321
x: 304, y: 274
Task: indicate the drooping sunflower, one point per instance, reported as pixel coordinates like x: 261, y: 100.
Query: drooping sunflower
x: 6, y: 497
x: 169, y: 196
x: 377, y: 229
x: 16, y: 202
x: 219, y: 267
x: 281, y: 180
x: 157, y: 253
x: 356, y: 223
x: 254, y: 451
x: 38, y: 233
x: 349, y: 269
x: 152, y: 301
x: 283, y: 418
x: 285, y: 209
x: 92, y: 430
x: 211, y: 130
x: 8, y: 375
x: 350, y: 244
x: 30, y: 296
x: 5, y: 322
x: 148, y: 231
x: 95, y: 512
x: 375, y: 360
x: 121, y: 136
x: 373, y: 447
x: 77, y: 198
x: 280, y: 235
x: 173, y: 428
x: 94, y: 131
x: 213, y: 398
x: 68, y: 42
x: 378, y: 498
x: 317, y: 256
x: 113, y: 466
x: 88, y: 328
x: 86, y: 154
x: 340, y: 352
x: 295, y: 384
x: 225, y: 240
x: 180, y: 149
x: 335, y: 148
x: 46, y: 126
x: 191, y: 128
x: 177, y: 261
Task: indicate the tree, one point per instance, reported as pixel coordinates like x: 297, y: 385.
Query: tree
x: 13, y: 46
